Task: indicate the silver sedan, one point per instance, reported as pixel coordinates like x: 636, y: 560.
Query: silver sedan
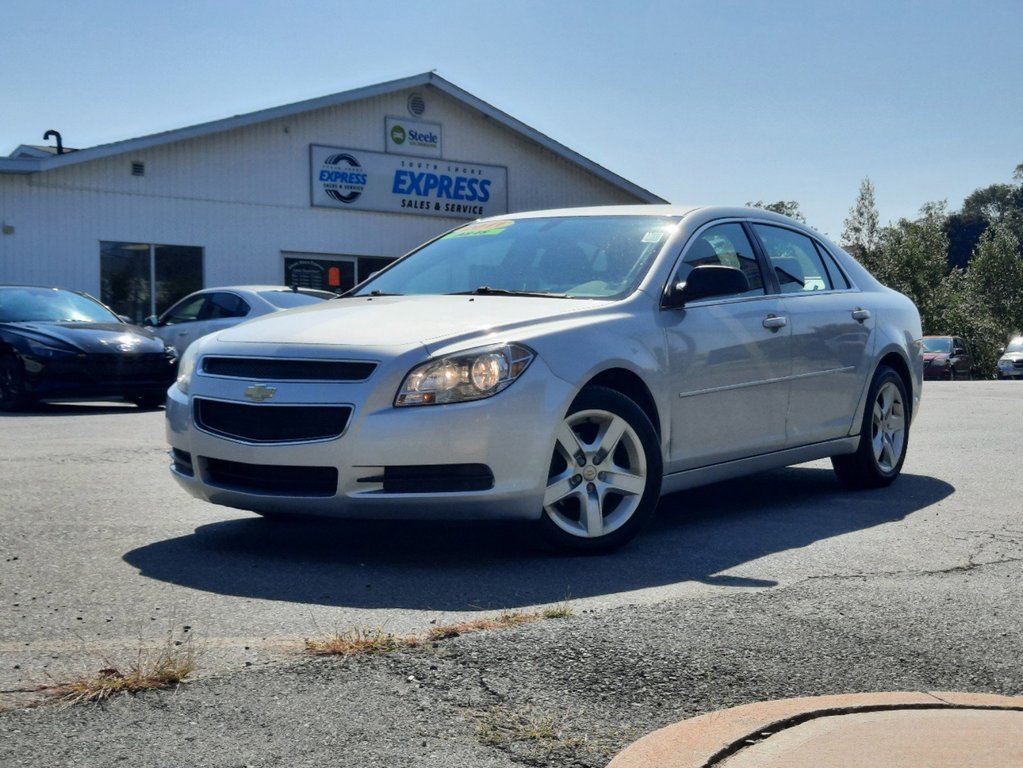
x: 560, y: 367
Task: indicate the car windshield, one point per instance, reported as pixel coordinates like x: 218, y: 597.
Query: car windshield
x: 289, y: 299
x: 1016, y: 345
x: 602, y: 257
x: 50, y: 305
x: 938, y: 344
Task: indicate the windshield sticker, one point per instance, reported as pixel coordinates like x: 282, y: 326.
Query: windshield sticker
x: 654, y: 236
x: 481, y: 228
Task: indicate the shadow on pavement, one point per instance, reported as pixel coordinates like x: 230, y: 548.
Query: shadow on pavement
x: 696, y: 535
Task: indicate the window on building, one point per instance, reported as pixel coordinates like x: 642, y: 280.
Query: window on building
x: 142, y: 279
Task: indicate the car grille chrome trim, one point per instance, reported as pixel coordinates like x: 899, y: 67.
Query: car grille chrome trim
x: 262, y: 368
x: 263, y: 424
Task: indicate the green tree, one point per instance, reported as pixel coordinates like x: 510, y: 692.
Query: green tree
x: 996, y: 276
x: 862, y: 231
x: 911, y: 257
x: 788, y: 208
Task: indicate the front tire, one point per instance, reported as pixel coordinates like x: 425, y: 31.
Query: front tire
x: 13, y: 395
x: 605, y: 474
x: 884, y: 435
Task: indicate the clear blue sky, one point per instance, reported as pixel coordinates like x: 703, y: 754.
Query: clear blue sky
x: 716, y: 102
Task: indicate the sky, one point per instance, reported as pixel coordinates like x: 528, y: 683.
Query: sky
x: 715, y: 102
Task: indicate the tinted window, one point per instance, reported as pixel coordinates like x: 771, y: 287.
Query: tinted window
x: 794, y: 259
x: 184, y: 311
x: 723, y: 245
x: 224, y: 305
x: 838, y: 279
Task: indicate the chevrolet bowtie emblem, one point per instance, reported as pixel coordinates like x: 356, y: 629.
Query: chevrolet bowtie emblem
x: 260, y: 392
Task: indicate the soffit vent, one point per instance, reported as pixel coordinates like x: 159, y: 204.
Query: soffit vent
x: 416, y: 105
x: 138, y: 169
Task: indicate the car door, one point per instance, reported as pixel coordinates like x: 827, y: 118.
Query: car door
x: 831, y: 328
x: 728, y: 360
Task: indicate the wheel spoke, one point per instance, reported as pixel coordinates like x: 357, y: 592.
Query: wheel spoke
x: 624, y: 482
x: 592, y: 513
x: 559, y: 489
x: 568, y: 441
x: 610, y: 436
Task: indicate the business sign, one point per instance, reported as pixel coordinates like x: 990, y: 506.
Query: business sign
x: 412, y: 137
x: 375, y: 181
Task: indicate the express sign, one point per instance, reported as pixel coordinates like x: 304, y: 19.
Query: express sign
x: 375, y: 181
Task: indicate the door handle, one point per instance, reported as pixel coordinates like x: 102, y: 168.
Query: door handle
x: 774, y: 322
x: 861, y: 314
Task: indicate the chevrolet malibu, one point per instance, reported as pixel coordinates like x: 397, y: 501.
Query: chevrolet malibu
x: 564, y: 368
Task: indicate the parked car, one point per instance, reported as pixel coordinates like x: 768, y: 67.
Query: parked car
x: 61, y: 344
x: 1010, y: 364
x: 947, y: 358
x: 213, y: 309
x: 562, y: 367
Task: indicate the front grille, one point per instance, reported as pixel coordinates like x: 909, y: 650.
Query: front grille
x: 433, y: 478
x: 271, y: 479
x: 127, y: 368
x: 270, y: 423
x: 288, y: 370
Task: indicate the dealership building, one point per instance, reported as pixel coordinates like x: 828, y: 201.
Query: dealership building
x: 320, y: 193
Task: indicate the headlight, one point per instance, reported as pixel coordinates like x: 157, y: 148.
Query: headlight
x: 467, y: 376
x: 40, y: 349
x: 186, y: 367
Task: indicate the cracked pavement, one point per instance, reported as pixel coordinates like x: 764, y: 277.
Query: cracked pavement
x: 782, y: 585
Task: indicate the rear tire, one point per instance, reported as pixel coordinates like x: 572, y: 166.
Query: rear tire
x: 605, y: 474
x: 884, y: 435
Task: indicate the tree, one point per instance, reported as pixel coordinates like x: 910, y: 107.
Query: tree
x: 788, y: 208
x: 996, y: 276
x: 861, y: 230
x: 911, y: 257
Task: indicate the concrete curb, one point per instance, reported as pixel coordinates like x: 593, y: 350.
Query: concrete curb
x: 705, y: 741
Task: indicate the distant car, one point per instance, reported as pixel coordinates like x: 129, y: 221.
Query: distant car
x: 947, y: 358
x: 560, y: 367
x: 1010, y: 365
x: 213, y: 309
x: 58, y: 344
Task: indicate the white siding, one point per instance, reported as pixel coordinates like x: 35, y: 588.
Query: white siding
x: 244, y: 195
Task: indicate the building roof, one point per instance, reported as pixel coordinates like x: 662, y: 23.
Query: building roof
x: 28, y: 159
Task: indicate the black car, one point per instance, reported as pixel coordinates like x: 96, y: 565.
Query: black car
x: 58, y: 344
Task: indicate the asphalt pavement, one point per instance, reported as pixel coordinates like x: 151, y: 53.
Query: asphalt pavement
x: 780, y: 588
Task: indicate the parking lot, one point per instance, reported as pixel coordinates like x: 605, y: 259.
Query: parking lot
x: 101, y: 552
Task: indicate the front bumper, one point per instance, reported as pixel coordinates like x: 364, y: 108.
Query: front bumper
x: 486, y: 459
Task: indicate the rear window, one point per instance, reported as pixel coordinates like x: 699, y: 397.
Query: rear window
x: 289, y: 299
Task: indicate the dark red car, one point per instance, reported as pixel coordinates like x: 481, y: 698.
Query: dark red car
x: 947, y: 358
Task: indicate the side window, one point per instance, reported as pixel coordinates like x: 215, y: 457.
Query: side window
x: 723, y: 245
x: 838, y: 279
x: 794, y: 259
x: 224, y: 305
x: 185, y: 312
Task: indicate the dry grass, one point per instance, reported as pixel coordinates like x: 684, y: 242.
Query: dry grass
x: 500, y: 727
x: 152, y: 669
x: 360, y: 642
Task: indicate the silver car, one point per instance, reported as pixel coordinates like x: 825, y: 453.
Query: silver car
x: 1010, y: 364
x: 561, y: 367
x: 213, y: 309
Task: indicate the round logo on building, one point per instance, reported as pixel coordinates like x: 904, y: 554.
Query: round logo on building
x: 343, y: 177
x: 398, y: 134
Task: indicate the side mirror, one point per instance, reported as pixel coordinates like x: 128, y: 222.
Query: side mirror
x: 704, y: 282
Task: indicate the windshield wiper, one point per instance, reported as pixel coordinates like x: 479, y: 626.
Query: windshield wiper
x: 486, y: 290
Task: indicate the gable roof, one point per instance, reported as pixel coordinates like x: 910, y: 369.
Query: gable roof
x: 26, y: 163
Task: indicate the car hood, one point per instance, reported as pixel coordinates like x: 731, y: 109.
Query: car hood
x: 401, y: 321
x: 91, y: 337
x: 1012, y: 356
x: 929, y: 356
